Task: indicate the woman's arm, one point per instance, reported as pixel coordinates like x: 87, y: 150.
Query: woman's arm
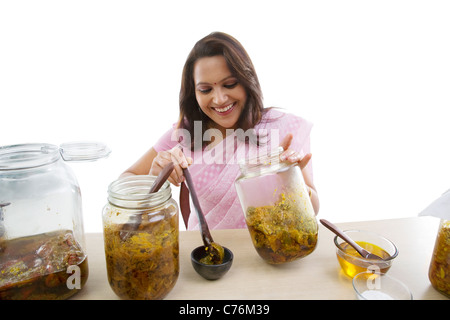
x: 142, y: 166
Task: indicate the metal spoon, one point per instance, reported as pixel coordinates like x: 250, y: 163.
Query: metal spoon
x: 133, y: 224
x: 363, y: 252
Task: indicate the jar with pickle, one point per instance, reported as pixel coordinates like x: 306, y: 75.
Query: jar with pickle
x: 42, y: 249
x: 439, y: 271
x: 277, y: 208
x: 141, y: 239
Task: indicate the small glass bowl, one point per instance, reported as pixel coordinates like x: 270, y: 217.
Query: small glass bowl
x: 375, y: 286
x: 353, y: 264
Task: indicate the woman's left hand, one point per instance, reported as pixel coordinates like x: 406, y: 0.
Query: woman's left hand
x: 291, y: 155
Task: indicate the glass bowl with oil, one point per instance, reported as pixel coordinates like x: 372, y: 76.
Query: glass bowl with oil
x: 353, y: 263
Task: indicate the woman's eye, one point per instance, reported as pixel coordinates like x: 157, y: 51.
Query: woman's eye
x: 231, y: 86
x: 206, y: 90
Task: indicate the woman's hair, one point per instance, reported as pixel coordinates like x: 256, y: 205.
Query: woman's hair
x: 241, y: 67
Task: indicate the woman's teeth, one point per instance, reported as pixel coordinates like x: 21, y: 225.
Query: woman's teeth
x: 225, y: 109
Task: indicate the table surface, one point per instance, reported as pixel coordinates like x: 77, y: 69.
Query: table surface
x: 317, y: 276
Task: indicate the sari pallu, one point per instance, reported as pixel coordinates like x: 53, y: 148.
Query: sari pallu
x: 214, y: 184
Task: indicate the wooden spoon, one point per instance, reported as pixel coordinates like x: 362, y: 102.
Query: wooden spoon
x: 133, y: 224
x: 162, y: 177
x: 363, y: 252
x: 214, y: 250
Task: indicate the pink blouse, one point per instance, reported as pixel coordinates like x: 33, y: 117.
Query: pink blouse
x: 215, y: 169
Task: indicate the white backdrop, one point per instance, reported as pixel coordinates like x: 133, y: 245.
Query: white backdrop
x: 373, y: 77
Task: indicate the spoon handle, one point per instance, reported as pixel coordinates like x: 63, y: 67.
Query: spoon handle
x: 207, y: 239
x: 162, y: 177
x: 343, y: 236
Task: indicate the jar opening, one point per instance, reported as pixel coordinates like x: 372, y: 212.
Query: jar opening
x: 25, y: 156
x: 133, y: 192
x: 263, y: 164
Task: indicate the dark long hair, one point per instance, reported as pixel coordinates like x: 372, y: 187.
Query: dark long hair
x: 241, y: 67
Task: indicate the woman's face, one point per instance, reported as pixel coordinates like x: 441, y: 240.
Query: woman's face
x: 219, y: 94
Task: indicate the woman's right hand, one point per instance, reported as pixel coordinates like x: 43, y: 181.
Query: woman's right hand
x: 179, y: 160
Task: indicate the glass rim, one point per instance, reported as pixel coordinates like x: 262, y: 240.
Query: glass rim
x: 391, y: 257
x: 381, y: 275
x: 132, y: 192
x: 27, y: 156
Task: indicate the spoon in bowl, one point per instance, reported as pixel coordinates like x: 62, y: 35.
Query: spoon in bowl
x: 363, y: 252
x: 214, y: 251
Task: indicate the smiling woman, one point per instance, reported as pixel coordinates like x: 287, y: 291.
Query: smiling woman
x: 219, y: 94
x: 216, y: 67
x: 221, y: 105
x: 371, y: 76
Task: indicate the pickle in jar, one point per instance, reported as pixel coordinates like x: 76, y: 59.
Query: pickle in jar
x: 282, y: 232
x: 439, y: 271
x: 145, y: 266
x: 36, y: 267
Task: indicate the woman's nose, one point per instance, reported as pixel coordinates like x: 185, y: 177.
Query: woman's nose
x: 220, y: 97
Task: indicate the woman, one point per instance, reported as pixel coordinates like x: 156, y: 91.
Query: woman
x: 222, y: 118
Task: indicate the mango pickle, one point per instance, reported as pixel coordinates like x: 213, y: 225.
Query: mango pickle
x: 145, y: 265
x: 439, y: 272
x: 37, y: 267
x: 282, y: 232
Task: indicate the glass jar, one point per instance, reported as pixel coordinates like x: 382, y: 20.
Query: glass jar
x: 42, y: 249
x: 141, y: 238
x: 439, y: 272
x: 277, y: 208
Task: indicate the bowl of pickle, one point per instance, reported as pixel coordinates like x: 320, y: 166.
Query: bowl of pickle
x: 353, y: 263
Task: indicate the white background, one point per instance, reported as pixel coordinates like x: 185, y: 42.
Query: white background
x: 373, y: 77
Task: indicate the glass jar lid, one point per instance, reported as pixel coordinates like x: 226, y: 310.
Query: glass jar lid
x: 32, y: 155
x: 84, y: 151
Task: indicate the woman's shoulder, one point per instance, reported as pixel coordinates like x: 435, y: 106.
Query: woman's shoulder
x: 279, y: 123
x: 277, y: 117
x: 168, y: 140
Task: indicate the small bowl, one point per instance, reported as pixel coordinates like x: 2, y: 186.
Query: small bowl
x: 375, y: 286
x: 214, y: 271
x: 353, y: 264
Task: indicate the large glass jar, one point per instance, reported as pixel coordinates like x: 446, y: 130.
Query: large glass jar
x: 278, y: 209
x: 42, y: 249
x: 141, y: 238
x: 439, y: 272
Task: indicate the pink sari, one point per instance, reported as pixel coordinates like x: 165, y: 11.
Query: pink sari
x: 215, y: 170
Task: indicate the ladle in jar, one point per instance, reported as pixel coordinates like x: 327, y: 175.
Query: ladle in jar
x: 2, y: 227
x: 131, y: 226
x: 363, y: 252
x: 218, y: 258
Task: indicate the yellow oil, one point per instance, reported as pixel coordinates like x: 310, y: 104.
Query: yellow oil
x: 352, y: 263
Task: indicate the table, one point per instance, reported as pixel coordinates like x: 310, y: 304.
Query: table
x: 316, y: 276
